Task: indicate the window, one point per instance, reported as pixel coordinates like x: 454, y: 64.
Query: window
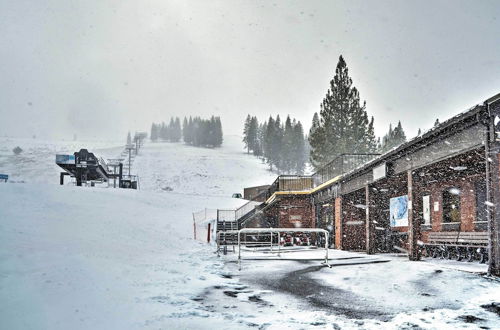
x: 451, y: 205
x: 481, y: 201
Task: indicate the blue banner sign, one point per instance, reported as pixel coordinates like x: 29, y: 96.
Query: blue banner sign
x: 65, y: 159
x: 4, y: 177
x: 399, y: 211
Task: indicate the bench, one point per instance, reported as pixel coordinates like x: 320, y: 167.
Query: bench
x: 457, y: 245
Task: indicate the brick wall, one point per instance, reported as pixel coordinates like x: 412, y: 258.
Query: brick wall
x: 468, y: 205
x: 296, y: 211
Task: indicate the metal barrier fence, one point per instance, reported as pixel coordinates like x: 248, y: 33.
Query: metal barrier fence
x: 340, y: 165
x: 204, y: 225
x: 271, y: 232
x: 291, y: 183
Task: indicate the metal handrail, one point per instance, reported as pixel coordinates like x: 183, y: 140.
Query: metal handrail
x: 244, y: 209
x: 273, y: 231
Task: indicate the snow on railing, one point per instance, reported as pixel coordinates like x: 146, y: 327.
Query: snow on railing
x: 226, y: 215
x: 244, y: 209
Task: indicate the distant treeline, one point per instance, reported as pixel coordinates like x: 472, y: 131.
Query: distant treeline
x: 281, y: 145
x: 171, y: 132
x: 195, y: 131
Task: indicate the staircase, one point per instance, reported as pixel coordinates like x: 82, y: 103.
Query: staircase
x: 231, y: 220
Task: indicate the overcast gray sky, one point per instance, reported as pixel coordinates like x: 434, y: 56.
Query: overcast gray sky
x: 99, y: 68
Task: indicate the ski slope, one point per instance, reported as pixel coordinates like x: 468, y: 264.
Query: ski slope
x: 94, y: 258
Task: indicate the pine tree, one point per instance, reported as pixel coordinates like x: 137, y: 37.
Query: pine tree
x: 252, y: 133
x: 287, y: 149
x: 163, y: 132
x: 343, y: 126
x: 246, y: 128
x: 277, y: 158
x: 393, y: 138
x: 129, y: 139
x: 370, y: 139
x: 154, y: 132
x: 269, y: 143
x: 399, y: 135
x: 317, y: 139
x: 299, y: 150
x: 176, y: 130
x: 218, y: 132
x: 171, y: 130
x: 185, y: 130
x: 190, y: 131
x: 262, y: 140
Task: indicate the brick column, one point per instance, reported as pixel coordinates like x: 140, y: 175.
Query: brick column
x: 492, y: 154
x: 494, y: 214
x: 338, y: 223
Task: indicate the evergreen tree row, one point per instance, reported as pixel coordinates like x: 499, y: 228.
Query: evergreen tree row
x: 202, y: 132
x: 282, y: 145
x: 195, y: 131
x: 171, y: 132
x: 393, y: 138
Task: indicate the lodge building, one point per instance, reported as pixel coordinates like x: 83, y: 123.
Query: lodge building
x: 436, y: 195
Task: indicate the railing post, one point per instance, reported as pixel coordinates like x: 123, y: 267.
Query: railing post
x: 326, y: 247
x: 194, y: 227
x: 218, y: 244
x: 239, y: 250
x: 208, y: 233
x: 279, y: 244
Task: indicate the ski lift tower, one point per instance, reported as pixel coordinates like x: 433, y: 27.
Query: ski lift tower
x: 117, y: 165
x: 139, y: 138
x: 129, y: 148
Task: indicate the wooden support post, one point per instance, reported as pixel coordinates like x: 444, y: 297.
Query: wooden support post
x: 338, y: 223
x: 208, y: 233
x: 194, y: 227
x: 413, y: 223
x: 370, y: 237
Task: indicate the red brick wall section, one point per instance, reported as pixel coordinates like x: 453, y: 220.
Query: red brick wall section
x: 467, y: 204
x: 293, y: 212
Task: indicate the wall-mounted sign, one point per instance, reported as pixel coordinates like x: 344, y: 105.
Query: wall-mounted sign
x: 426, y: 209
x: 399, y: 211
x: 379, y: 172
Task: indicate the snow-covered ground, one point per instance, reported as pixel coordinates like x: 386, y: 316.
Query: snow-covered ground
x: 97, y: 258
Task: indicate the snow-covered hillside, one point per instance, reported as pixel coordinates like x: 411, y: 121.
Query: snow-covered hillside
x: 88, y: 258
x: 182, y: 169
